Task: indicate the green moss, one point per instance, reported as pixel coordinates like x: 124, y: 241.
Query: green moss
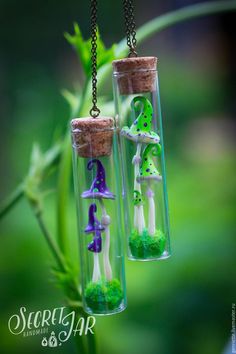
x: 145, y: 246
x: 104, y: 295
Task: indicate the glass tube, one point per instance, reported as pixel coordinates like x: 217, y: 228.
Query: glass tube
x: 138, y: 113
x: 98, y: 189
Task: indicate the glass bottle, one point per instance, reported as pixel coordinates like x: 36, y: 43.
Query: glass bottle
x: 141, y: 146
x: 98, y: 189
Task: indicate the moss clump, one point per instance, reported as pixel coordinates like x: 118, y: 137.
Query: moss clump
x: 145, y: 246
x: 104, y: 295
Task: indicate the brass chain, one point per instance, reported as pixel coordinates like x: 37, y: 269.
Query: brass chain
x: 95, y: 111
x: 130, y: 27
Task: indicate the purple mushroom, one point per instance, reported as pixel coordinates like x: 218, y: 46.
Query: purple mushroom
x: 98, y: 188
x: 93, y: 223
x: 100, y: 191
x: 96, y: 245
x: 95, y: 227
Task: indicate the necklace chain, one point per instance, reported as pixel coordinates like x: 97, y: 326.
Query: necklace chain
x: 94, y: 112
x: 130, y: 27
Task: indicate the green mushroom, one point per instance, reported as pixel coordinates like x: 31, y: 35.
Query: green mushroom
x: 138, y: 198
x: 141, y: 133
x: 148, y: 172
x: 141, y: 129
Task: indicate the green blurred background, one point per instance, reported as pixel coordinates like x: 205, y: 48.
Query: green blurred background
x: 181, y: 305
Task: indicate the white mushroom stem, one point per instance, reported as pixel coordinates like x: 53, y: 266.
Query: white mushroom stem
x: 96, y: 268
x: 139, y: 221
x: 151, y: 215
x: 106, y: 220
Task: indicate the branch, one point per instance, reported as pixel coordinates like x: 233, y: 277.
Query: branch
x: 51, y: 243
x: 62, y: 195
x: 39, y: 167
x: 63, y: 185
x: 11, y: 200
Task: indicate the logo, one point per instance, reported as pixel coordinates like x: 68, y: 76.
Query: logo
x: 47, y: 322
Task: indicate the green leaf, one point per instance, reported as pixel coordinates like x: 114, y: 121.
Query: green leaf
x: 68, y: 281
x: 72, y: 99
x: 40, y: 165
x: 83, y: 50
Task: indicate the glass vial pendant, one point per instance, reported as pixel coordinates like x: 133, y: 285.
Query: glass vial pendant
x: 138, y: 113
x: 98, y: 189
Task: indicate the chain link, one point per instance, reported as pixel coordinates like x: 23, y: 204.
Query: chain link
x: 94, y: 112
x: 130, y: 27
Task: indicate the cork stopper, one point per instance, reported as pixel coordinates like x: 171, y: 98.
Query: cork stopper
x: 92, y: 137
x: 135, y: 75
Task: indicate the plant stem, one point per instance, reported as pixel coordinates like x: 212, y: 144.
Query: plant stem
x: 51, y: 243
x: 79, y: 339
x: 12, y: 199
x: 62, y: 196
x: 92, y: 349
x: 63, y: 185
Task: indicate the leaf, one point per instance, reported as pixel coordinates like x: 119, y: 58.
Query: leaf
x: 68, y: 281
x: 83, y: 50
x: 72, y: 99
x: 51, y: 156
x: 40, y: 165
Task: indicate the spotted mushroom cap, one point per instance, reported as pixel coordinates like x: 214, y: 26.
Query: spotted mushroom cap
x: 148, y: 171
x: 98, y: 188
x: 138, y: 198
x: 140, y: 131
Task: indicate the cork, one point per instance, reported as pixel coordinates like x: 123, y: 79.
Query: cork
x: 135, y: 75
x: 92, y: 137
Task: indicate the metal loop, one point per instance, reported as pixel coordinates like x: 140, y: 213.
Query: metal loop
x: 94, y: 112
x: 132, y: 53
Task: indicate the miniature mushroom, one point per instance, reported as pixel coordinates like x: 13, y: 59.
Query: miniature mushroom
x: 98, y: 188
x: 93, y: 223
x: 96, y: 244
x: 95, y: 227
x: 100, y: 191
x: 140, y: 132
x: 149, y: 173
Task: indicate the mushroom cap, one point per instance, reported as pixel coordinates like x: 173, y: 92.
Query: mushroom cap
x: 139, y: 136
x: 137, y: 198
x: 96, y: 245
x: 98, y: 189
x: 148, y: 171
x: 140, y: 131
x: 97, y: 195
x: 93, y: 223
x: 148, y: 178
